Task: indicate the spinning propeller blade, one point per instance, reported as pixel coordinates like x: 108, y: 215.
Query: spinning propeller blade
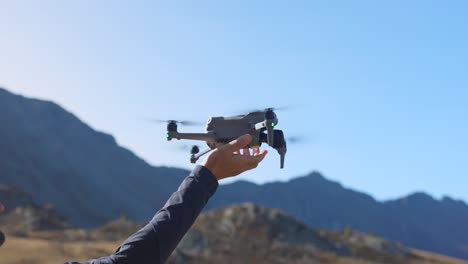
x: 184, y: 122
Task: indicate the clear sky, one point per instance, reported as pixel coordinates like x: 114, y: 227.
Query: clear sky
x: 380, y: 87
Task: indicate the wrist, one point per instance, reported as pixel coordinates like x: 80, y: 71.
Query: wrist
x: 210, y: 164
x: 203, y: 176
x: 212, y: 171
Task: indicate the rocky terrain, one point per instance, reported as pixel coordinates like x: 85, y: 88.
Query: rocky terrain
x: 244, y: 233
x: 23, y: 215
x: 417, y: 220
x: 251, y: 234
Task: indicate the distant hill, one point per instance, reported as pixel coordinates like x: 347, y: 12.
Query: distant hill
x: 241, y: 234
x: 417, y: 220
x: 13, y: 197
x: 250, y: 234
x: 50, y: 154
x: 23, y: 214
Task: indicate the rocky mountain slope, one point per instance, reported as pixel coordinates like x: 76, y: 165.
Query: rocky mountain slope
x: 251, y: 234
x: 417, y: 220
x: 51, y: 154
x: 243, y: 233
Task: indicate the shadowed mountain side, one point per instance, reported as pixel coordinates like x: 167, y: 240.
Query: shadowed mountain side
x: 440, y: 226
x: 12, y: 198
x: 58, y: 159
x: 418, y: 220
x: 23, y: 215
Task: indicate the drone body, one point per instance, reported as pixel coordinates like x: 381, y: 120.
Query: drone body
x: 222, y: 130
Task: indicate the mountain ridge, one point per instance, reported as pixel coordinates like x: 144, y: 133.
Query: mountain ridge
x: 247, y: 233
x: 47, y: 150
x: 52, y: 155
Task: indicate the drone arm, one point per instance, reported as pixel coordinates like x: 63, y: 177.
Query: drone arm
x: 192, y: 136
x: 269, y: 125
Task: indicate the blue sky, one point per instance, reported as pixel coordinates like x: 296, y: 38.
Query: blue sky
x: 380, y: 89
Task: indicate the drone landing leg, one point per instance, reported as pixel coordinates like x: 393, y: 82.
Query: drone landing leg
x: 195, y: 157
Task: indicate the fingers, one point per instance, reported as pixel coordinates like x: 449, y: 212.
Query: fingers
x: 240, y: 142
x: 251, y: 162
x: 246, y: 152
x: 256, y: 150
x: 260, y: 156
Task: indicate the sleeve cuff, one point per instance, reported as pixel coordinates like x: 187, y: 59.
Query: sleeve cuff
x: 205, y: 177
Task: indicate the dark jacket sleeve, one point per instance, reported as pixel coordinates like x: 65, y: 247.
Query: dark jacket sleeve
x: 155, y: 242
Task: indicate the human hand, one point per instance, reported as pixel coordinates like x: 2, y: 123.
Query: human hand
x: 227, y: 160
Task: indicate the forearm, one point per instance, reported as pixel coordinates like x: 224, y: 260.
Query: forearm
x: 155, y: 241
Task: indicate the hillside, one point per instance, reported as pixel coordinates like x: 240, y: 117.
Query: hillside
x: 250, y: 234
x: 240, y: 234
x: 54, y: 158
x: 417, y: 220
x: 51, y: 154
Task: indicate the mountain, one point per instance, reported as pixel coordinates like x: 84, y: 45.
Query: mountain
x: 418, y: 220
x: 243, y: 233
x: 50, y: 154
x: 15, y: 198
x: 248, y: 233
x: 24, y: 215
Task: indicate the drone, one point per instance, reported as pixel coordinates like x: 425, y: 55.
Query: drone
x: 260, y: 124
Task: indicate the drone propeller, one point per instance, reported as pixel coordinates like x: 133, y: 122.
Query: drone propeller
x: 194, y: 149
x: 296, y: 139
x: 244, y: 111
x: 280, y: 108
x: 184, y: 123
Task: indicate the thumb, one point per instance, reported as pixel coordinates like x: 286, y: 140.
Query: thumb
x: 240, y: 142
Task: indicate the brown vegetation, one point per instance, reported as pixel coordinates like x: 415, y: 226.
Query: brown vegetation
x: 41, y: 251
x: 240, y: 234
